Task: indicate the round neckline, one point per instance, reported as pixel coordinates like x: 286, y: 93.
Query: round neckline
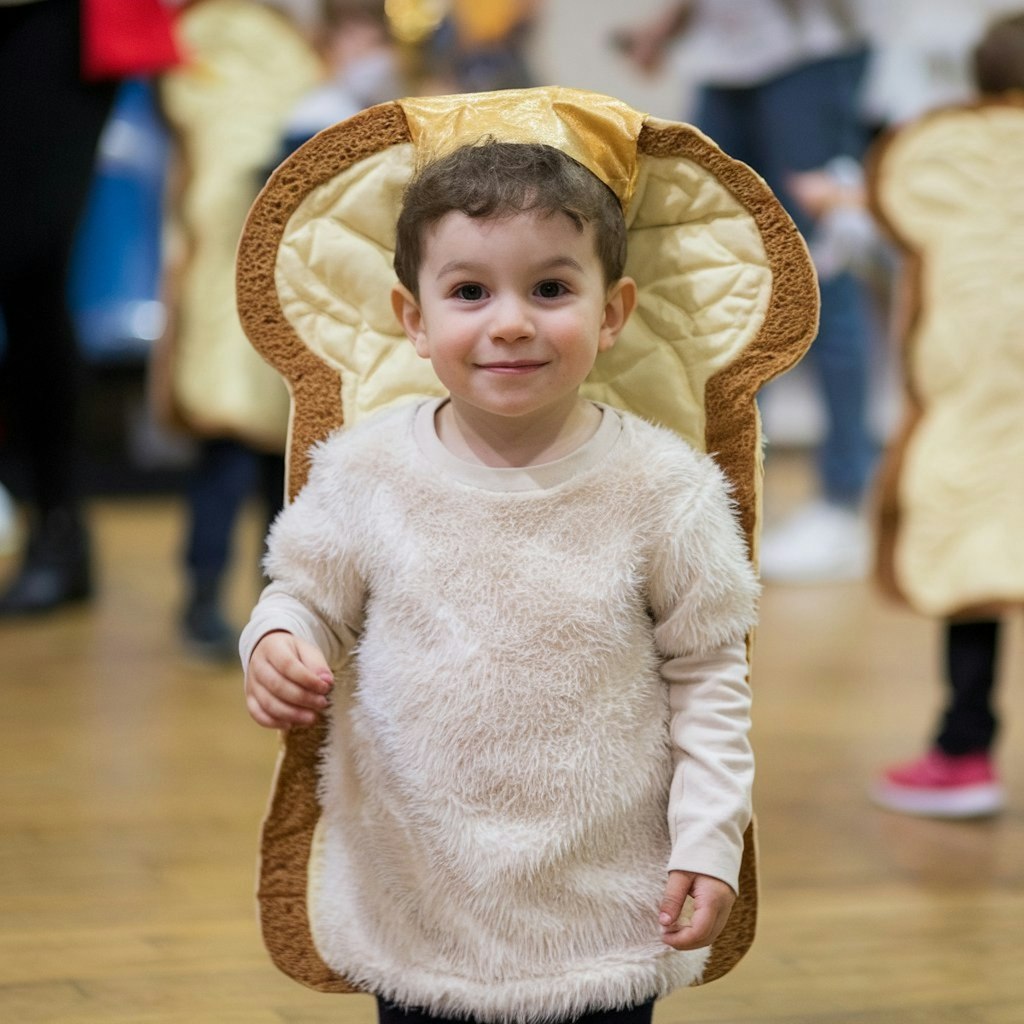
x: 514, y: 478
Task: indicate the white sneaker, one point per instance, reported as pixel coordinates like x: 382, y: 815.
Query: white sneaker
x: 821, y: 542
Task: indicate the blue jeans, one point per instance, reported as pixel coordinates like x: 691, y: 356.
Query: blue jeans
x: 227, y: 474
x: 799, y: 121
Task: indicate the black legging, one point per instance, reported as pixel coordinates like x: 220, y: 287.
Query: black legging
x: 389, y: 1013
x: 50, y: 122
x: 969, y: 723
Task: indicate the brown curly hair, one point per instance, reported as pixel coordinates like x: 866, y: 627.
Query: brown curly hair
x: 492, y: 179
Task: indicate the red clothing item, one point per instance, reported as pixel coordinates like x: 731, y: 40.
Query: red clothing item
x: 121, y: 38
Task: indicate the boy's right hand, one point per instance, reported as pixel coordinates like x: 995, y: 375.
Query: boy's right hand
x: 287, y: 681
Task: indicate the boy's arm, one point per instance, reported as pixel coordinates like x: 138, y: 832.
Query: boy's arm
x: 287, y: 652
x: 709, y: 800
x: 278, y: 610
x: 703, y: 596
x: 710, y: 796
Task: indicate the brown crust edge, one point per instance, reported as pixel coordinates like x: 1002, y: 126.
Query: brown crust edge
x: 910, y: 305
x: 789, y: 327
x: 292, y: 815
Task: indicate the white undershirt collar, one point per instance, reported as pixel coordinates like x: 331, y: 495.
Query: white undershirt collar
x: 515, y: 478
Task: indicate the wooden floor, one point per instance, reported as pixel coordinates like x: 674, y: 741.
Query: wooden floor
x: 132, y: 785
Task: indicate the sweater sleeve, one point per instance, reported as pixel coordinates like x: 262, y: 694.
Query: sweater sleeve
x: 313, y: 560
x: 703, y: 589
x: 279, y: 610
x: 710, y: 795
x: 704, y: 599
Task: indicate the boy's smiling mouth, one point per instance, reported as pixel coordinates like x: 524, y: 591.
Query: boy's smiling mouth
x: 513, y: 366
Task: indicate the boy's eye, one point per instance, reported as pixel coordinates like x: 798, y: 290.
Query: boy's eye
x: 550, y: 289
x: 469, y: 292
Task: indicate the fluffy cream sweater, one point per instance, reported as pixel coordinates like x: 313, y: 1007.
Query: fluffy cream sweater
x: 541, y: 706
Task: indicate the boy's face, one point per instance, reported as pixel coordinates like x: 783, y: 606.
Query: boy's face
x: 512, y: 312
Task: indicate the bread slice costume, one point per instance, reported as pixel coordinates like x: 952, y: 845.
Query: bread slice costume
x: 727, y: 300
x: 952, y: 489
x: 245, y: 68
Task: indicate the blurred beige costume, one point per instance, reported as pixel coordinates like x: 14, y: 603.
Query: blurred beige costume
x: 952, y: 492
x: 246, y: 66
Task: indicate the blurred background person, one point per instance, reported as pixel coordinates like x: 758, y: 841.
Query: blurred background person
x: 779, y: 85
x: 482, y: 46
x: 262, y: 78
x: 957, y: 776
x: 60, y: 61
x: 922, y: 55
x: 362, y: 67
x: 248, y: 64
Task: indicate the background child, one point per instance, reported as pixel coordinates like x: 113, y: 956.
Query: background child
x: 957, y: 776
x: 525, y: 616
x: 777, y: 86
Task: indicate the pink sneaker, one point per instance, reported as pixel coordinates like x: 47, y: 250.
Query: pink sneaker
x: 941, y: 785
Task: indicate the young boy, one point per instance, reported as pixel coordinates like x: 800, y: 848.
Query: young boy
x: 525, y: 615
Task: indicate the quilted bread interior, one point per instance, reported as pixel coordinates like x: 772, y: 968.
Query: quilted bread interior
x: 952, y: 495
x: 727, y: 301
x: 246, y: 66
x: 696, y: 254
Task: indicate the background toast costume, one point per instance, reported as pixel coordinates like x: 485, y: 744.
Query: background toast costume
x: 246, y: 67
x: 727, y: 300
x: 952, y: 491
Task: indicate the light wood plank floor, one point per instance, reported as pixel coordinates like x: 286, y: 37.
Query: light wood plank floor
x: 132, y: 784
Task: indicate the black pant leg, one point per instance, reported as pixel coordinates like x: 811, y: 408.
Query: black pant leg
x: 50, y: 123
x: 390, y: 1013
x: 969, y: 721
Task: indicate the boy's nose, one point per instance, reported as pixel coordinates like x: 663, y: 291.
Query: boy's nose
x: 510, y: 321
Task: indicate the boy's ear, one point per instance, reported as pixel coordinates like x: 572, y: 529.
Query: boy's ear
x: 409, y: 315
x: 619, y: 303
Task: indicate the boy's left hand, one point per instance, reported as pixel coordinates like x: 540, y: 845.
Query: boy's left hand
x: 712, y: 901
